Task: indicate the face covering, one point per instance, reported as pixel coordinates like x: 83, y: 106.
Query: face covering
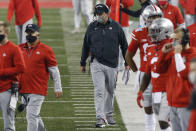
x: 31, y: 38
x: 162, y: 3
x: 192, y: 78
x: 2, y: 38
x: 100, y: 19
x: 175, y: 43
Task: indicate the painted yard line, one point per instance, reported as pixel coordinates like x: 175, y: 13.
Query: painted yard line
x: 81, y: 81
x: 68, y: 101
x: 80, y: 75
x: 86, y: 114
x: 58, y: 118
x: 86, y: 90
x: 84, y: 111
x: 79, y: 85
x: 58, y: 101
x: 85, y: 93
x: 61, y: 56
x: 84, y: 121
x: 82, y: 95
x: 45, y: 40
x: 90, y: 125
x: 82, y: 90
x: 56, y: 47
x: 72, y: 88
x: 97, y: 129
x: 82, y: 104
x: 82, y: 98
x: 84, y: 107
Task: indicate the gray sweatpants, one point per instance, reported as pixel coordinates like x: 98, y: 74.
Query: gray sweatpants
x: 20, y: 31
x: 80, y: 6
x: 179, y: 118
x: 8, y: 116
x: 33, y: 109
x: 104, y: 80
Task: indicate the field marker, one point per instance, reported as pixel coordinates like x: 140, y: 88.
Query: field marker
x: 97, y: 129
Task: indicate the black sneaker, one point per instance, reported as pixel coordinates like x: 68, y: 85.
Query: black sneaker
x: 100, y: 123
x: 110, y: 120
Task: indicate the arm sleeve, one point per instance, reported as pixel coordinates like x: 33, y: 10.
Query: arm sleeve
x: 185, y: 66
x: 55, y: 75
x: 50, y: 58
x: 85, y: 49
x: 10, y: 11
x: 132, y: 13
x: 19, y: 64
x: 179, y: 62
x: 37, y: 13
x: 123, y: 43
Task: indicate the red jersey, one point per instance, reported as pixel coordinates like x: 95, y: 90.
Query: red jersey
x: 189, y: 6
x: 24, y: 11
x: 179, y: 88
x: 192, y: 121
x: 12, y: 64
x: 140, y: 40
x: 124, y: 16
x: 159, y: 81
x: 173, y: 13
x: 192, y: 31
x: 36, y: 75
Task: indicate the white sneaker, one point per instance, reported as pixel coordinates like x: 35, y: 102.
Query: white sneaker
x: 76, y: 30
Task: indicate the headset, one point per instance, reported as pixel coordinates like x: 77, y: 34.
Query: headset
x: 185, y: 38
x: 100, y: 8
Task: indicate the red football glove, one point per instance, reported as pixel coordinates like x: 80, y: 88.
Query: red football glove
x: 139, y: 98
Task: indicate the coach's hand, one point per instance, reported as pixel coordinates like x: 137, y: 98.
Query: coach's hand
x: 167, y: 48
x: 139, y: 98
x: 58, y: 94
x: 83, y: 69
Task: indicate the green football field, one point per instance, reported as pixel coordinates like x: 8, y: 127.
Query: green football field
x: 75, y: 109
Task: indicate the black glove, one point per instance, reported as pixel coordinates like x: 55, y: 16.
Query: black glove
x: 14, y: 87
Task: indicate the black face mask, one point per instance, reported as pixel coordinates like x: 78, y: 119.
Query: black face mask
x: 31, y: 38
x: 2, y: 38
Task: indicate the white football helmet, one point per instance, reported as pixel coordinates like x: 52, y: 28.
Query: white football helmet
x: 160, y: 29
x: 149, y: 12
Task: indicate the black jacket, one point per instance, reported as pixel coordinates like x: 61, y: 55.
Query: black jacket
x: 102, y: 42
x: 138, y: 12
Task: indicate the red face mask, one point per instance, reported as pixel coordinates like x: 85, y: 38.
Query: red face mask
x: 162, y: 3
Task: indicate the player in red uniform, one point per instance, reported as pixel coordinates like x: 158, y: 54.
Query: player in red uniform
x: 159, y: 81
x: 192, y: 106
x: 12, y: 64
x: 176, y: 63
x: 24, y: 12
x: 192, y: 31
x: 140, y: 41
x: 172, y: 12
x: 40, y: 62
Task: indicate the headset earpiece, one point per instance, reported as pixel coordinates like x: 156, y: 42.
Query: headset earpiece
x: 185, y: 38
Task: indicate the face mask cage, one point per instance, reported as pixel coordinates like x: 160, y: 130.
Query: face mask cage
x: 156, y: 34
